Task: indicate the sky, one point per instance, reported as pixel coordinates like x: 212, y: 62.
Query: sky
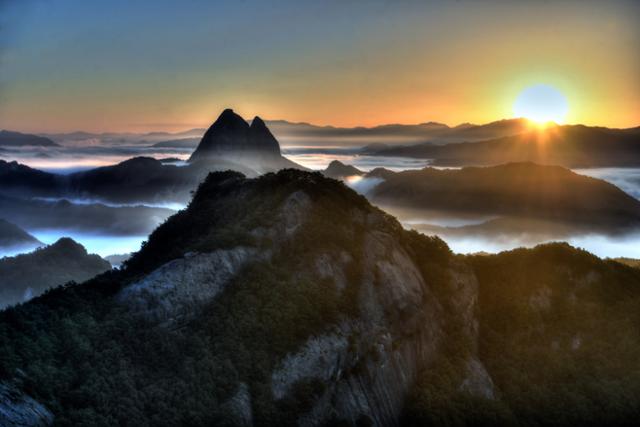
x: 157, y: 65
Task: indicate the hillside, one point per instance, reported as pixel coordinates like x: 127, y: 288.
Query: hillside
x: 524, y: 190
x: 13, y: 236
x: 25, y: 276
x: 21, y: 180
x: 289, y: 299
x: 139, y: 179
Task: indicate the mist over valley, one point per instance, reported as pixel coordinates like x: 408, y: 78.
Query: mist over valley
x: 92, y: 205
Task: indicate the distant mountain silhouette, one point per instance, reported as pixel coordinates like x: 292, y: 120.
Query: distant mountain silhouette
x: 115, y: 138
x: 17, y: 139
x: 297, y: 134
x: 19, y: 179
x: 291, y: 133
x: 231, y: 138
x: 393, y: 134
x: 12, y: 236
x: 338, y: 170
x: 569, y: 145
x: 178, y: 143
x: 95, y: 218
x: 231, y: 135
x: 525, y: 190
x: 25, y: 276
x: 139, y: 179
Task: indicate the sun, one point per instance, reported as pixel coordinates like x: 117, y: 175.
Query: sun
x: 541, y: 104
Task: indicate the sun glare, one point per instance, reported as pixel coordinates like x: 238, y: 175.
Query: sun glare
x: 541, y: 104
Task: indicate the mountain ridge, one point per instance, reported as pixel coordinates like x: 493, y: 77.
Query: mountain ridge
x: 571, y: 146
x: 520, y: 189
x: 28, y: 275
x: 17, y: 139
x: 13, y: 236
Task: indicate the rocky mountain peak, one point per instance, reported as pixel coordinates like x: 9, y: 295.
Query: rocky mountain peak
x: 261, y: 137
x: 231, y: 135
x: 258, y: 123
x: 228, y: 119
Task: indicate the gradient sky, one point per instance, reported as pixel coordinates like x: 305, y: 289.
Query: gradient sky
x: 172, y: 65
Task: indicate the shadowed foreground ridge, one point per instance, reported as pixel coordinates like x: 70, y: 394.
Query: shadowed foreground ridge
x: 289, y: 299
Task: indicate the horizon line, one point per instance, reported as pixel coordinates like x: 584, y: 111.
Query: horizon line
x: 191, y: 127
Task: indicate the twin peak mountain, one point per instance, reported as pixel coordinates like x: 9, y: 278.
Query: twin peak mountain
x: 231, y: 136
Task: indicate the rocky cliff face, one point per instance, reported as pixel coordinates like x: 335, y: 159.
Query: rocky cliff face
x: 369, y: 357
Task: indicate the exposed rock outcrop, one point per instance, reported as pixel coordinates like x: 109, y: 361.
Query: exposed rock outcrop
x: 178, y: 288
x: 19, y: 410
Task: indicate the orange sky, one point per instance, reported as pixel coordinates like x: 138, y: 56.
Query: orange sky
x: 72, y: 66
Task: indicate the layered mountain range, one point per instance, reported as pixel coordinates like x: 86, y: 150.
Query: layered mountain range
x: 291, y: 133
x: 17, y: 139
x: 425, y: 140
x: 574, y: 146
x: 230, y: 143
x: 526, y: 191
x: 288, y: 299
